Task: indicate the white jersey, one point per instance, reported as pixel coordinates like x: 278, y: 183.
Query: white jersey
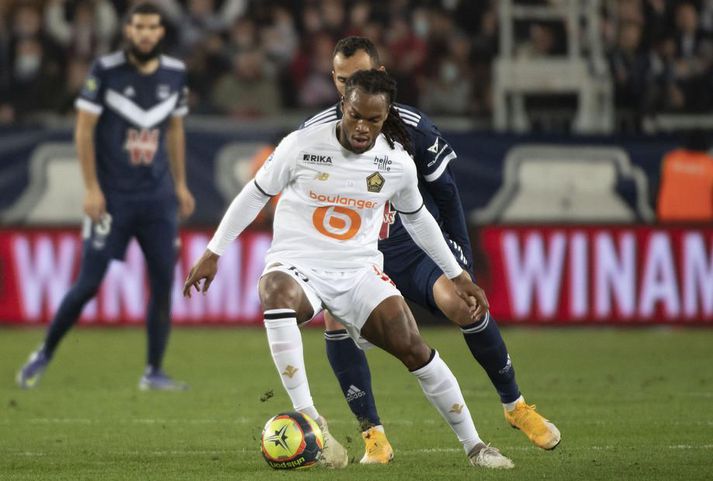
x: 332, y: 203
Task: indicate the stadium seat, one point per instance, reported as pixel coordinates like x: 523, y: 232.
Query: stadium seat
x: 549, y: 183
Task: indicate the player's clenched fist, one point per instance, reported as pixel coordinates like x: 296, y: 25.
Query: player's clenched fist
x: 206, y: 268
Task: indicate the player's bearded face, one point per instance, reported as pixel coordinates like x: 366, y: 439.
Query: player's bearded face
x: 145, y: 33
x: 363, y: 119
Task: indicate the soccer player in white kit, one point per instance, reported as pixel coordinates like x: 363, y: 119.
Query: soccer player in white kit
x: 335, y: 179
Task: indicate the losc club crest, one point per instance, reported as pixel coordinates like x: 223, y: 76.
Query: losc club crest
x: 375, y: 182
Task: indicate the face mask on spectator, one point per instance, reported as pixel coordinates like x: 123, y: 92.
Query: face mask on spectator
x: 27, y: 65
x: 449, y: 72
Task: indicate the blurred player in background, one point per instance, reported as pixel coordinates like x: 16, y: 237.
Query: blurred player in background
x: 418, y: 277
x: 131, y: 146
x: 324, y: 252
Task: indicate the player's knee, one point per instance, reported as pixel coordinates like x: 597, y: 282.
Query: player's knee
x: 410, y: 348
x: 455, y: 309
x: 278, y: 291
x: 415, y: 354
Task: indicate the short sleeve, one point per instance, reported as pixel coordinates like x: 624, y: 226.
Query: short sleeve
x: 407, y: 199
x: 435, y: 154
x: 276, y: 172
x: 90, y: 97
x: 181, y: 109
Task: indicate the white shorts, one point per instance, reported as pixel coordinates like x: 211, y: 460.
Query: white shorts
x: 350, y: 296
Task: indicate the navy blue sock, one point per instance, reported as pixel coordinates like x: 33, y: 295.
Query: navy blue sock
x: 488, y: 348
x: 91, y: 273
x: 349, y: 365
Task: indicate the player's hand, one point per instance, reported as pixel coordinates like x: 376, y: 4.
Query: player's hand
x: 205, y: 269
x: 94, y: 204
x: 186, y: 202
x: 472, y: 294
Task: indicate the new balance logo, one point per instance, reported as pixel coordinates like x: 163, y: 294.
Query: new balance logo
x: 456, y: 408
x: 290, y: 371
x: 316, y: 159
x: 354, y: 393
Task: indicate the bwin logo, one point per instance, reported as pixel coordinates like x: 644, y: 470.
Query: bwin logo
x: 317, y: 159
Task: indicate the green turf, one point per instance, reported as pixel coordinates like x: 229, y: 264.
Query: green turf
x: 631, y: 404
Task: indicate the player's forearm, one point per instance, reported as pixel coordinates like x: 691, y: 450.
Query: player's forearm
x: 176, y: 147
x: 424, y: 230
x: 84, y: 141
x: 242, y: 211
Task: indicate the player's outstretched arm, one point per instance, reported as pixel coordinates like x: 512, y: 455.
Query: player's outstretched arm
x: 242, y: 211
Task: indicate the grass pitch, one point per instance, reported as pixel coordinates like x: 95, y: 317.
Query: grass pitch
x: 631, y: 404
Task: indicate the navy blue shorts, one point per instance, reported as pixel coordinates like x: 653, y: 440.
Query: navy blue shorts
x: 152, y: 220
x: 414, y: 272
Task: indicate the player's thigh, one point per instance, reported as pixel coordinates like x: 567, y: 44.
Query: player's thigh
x: 286, y: 287
x: 374, y: 309
x: 159, y: 242
x: 415, y: 274
x: 110, y: 236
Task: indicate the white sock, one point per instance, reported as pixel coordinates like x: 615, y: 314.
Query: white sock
x: 511, y: 406
x: 285, y: 342
x: 441, y: 388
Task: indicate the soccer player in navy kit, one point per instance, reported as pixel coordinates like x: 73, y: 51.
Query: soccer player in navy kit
x: 131, y: 147
x: 418, y: 277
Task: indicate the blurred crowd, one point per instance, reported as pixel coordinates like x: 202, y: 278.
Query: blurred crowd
x: 251, y: 58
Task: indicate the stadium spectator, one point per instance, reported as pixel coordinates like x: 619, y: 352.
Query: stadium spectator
x: 629, y: 69
x: 35, y: 65
x: 450, y: 90
x: 249, y: 90
x: 203, y: 31
x: 693, y: 59
x: 85, y: 32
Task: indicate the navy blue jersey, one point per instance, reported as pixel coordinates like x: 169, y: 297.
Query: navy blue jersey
x: 133, y: 110
x: 432, y: 156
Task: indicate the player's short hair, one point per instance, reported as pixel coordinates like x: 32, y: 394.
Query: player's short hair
x: 348, y: 46
x: 144, y: 8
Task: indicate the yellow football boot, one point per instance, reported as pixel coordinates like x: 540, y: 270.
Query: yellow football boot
x: 539, y: 430
x: 378, y: 450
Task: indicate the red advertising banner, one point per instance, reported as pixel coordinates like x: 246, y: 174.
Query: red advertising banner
x: 533, y: 275
x: 37, y: 268
x: 598, y: 275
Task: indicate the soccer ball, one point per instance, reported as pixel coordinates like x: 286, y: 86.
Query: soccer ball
x: 291, y: 440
